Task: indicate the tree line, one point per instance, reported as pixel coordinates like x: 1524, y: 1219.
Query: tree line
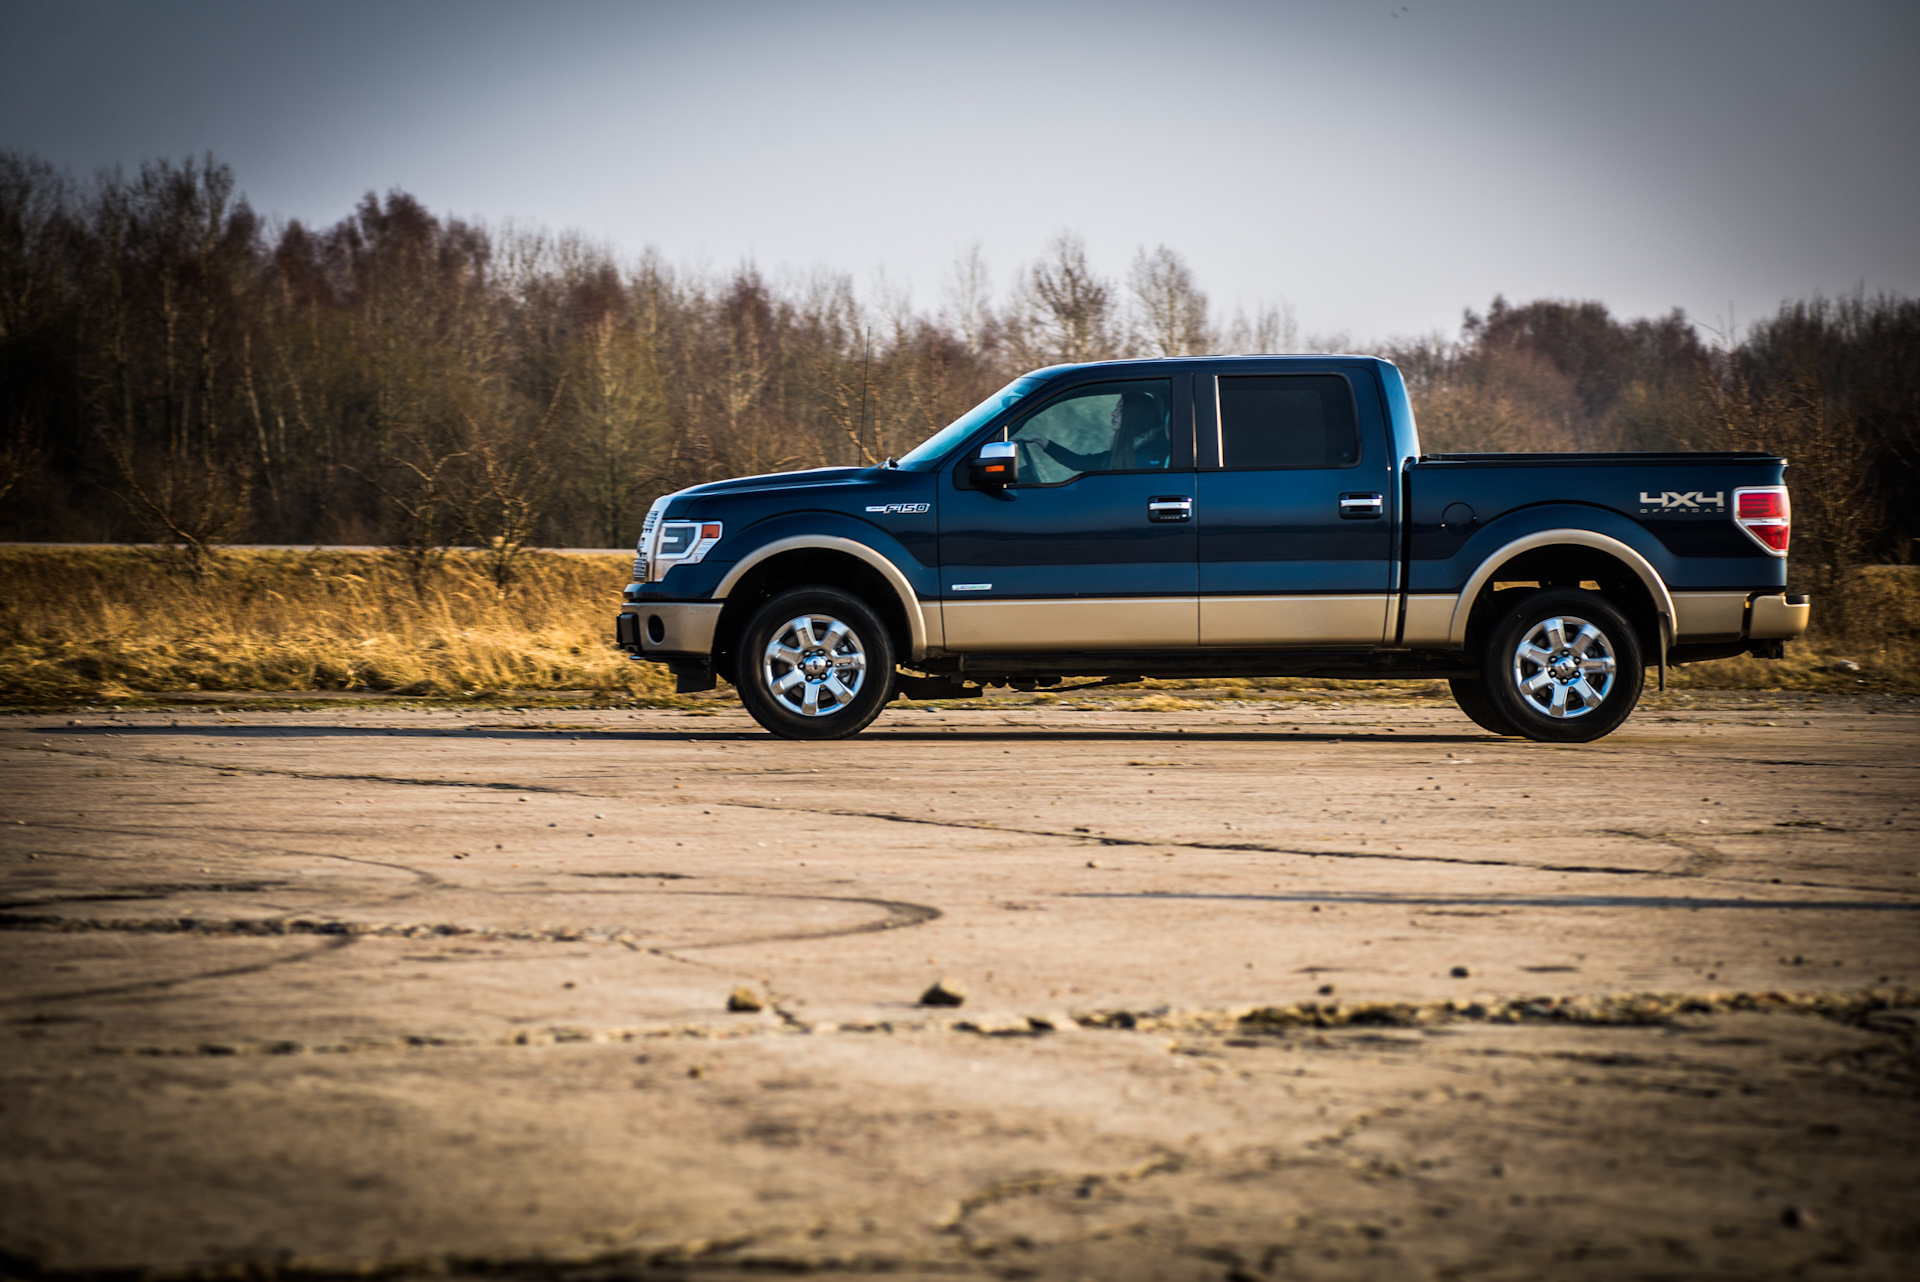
x: 175, y: 368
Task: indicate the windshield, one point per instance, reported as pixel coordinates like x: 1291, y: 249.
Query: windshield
x: 934, y: 448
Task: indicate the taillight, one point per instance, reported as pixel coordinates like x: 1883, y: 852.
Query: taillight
x: 1767, y: 517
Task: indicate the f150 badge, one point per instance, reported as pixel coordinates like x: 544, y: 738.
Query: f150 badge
x: 893, y: 509
x: 1691, y: 501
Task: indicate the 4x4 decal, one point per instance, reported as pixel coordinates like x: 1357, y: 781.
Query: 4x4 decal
x: 1687, y: 501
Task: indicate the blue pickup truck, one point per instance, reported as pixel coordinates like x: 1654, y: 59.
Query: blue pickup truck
x: 1255, y: 516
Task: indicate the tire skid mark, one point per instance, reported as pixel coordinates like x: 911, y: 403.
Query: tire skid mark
x: 1699, y: 857
x: 1081, y: 1182
x: 428, y: 881
x: 152, y: 985
x: 898, y: 915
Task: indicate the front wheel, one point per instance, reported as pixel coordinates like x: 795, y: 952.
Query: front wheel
x: 1471, y: 694
x: 814, y: 663
x: 1562, y: 666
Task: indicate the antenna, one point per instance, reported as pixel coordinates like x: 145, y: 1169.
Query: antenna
x: 866, y: 359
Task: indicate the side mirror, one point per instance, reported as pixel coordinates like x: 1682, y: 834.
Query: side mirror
x: 996, y: 465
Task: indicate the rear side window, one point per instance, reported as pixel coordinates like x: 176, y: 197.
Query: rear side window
x: 1287, y: 420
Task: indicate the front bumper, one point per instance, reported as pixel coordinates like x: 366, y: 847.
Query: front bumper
x: 668, y: 629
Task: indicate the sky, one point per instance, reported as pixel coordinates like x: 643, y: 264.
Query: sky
x: 1376, y: 167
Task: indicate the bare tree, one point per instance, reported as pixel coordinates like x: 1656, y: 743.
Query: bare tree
x: 417, y: 479
x: 502, y: 495
x: 1065, y: 311
x: 1269, y: 329
x: 170, y: 306
x: 615, y: 420
x: 1829, y: 475
x: 968, y: 307
x: 1171, y: 316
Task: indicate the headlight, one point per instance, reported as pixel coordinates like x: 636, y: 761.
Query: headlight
x: 683, y: 543
x: 665, y: 544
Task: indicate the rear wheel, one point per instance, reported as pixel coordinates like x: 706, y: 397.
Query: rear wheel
x: 814, y: 663
x: 1562, y: 666
x: 1471, y: 694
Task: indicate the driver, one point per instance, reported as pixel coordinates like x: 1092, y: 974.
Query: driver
x: 1140, y: 439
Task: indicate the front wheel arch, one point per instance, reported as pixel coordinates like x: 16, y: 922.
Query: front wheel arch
x: 814, y: 567
x: 814, y: 662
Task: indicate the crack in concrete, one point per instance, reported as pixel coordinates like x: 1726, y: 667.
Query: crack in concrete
x: 319, y: 776
x: 1106, y: 839
x: 1704, y: 859
x: 1249, y: 1028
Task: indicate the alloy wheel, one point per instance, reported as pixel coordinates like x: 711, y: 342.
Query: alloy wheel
x: 814, y: 665
x: 1564, y: 667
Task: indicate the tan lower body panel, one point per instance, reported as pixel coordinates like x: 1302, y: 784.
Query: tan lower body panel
x: 1709, y: 616
x: 1430, y: 620
x: 1073, y: 623
x: 1294, y: 620
x: 1775, y: 619
x: 683, y: 627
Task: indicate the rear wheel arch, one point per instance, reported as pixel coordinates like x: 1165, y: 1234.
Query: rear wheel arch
x: 1569, y: 559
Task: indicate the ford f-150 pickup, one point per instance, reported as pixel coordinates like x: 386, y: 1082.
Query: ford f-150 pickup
x: 1253, y: 516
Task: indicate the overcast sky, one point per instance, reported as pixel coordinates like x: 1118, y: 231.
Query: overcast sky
x: 1378, y: 166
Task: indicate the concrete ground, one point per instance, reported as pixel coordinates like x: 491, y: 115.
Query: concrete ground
x: 1333, y: 986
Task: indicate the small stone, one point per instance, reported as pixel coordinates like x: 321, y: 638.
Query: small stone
x: 1459, y: 972
x: 1325, y: 990
x: 947, y: 992
x: 745, y: 999
x: 1093, y: 863
x: 1793, y: 1217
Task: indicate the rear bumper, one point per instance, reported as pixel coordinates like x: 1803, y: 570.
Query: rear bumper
x: 667, y: 629
x: 1708, y: 618
x: 1778, y: 617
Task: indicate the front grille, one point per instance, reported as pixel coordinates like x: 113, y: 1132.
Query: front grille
x: 639, y: 569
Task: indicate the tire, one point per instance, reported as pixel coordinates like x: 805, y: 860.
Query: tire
x: 1562, y: 666
x: 814, y: 663
x: 1471, y: 694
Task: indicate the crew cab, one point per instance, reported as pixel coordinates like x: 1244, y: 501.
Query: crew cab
x: 1256, y: 516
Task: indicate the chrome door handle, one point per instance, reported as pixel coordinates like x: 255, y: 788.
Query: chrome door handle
x: 1358, y: 507
x: 1170, y: 507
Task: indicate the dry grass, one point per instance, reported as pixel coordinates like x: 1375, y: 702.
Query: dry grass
x: 106, y: 623
x: 1879, y: 651
x: 89, y: 624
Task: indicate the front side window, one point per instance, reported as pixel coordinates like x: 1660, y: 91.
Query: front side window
x: 1105, y: 427
x: 1287, y: 420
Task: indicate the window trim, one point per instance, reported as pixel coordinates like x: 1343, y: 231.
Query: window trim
x: 1218, y: 462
